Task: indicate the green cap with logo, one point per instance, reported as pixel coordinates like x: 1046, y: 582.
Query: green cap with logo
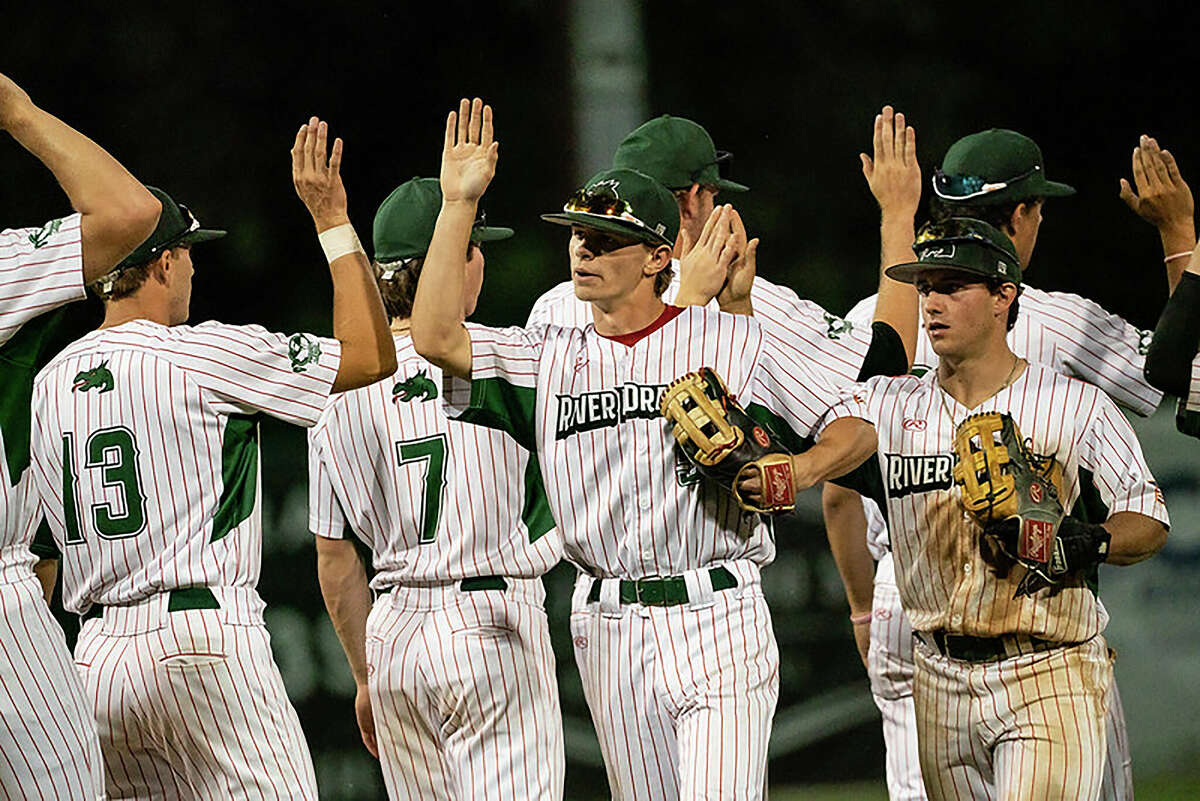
x: 994, y: 167
x: 405, y: 220
x: 677, y: 153
x: 177, y: 226
x: 961, y: 243
x: 625, y: 202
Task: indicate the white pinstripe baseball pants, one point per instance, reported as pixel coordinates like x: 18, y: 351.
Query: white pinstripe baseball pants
x: 682, y: 697
x: 464, y: 693
x: 1027, y: 728
x: 48, y: 745
x: 190, y: 704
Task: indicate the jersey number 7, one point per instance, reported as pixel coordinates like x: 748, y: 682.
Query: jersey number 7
x: 432, y: 452
x: 114, y: 452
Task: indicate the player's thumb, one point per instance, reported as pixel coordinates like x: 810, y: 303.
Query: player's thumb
x: 868, y: 166
x: 1127, y: 195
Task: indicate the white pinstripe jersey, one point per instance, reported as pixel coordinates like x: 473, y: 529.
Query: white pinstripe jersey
x: 944, y: 582
x: 40, y: 269
x: 1064, y: 332
x: 434, y: 498
x: 145, y: 451
x: 835, y: 347
x: 1192, y: 402
x: 625, y: 504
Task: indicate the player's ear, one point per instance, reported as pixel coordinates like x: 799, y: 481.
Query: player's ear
x: 657, y: 259
x: 161, y: 266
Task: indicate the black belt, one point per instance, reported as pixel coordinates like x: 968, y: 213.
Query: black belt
x: 179, y: 600
x: 665, y: 591
x: 476, y: 584
x: 987, y: 649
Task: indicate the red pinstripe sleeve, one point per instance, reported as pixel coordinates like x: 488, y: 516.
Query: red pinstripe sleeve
x: 1110, y: 449
x: 325, y: 516
x: 856, y: 400
x: 289, y: 377
x: 784, y: 381
x: 1097, y: 347
x: 511, y: 355
x: 40, y: 269
x: 834, y: 348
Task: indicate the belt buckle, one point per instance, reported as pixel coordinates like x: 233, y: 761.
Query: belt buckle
x: 650, y: 591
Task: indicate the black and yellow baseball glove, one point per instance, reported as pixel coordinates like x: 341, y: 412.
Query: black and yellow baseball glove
x: 1017, y: 496
x: 717, y: 435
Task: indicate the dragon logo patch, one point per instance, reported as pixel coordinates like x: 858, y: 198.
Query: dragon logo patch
x: 40, y: 237
x: 417, y: 386
x: 836, y: 326
x: 303, y: 351
x: 98, y: 378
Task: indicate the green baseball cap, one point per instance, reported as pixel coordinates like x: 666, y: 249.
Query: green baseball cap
x: 176, y: 226
x: 961, y: 243
x: 994, y: 167
x: 622, y: 201
x: 677, y: 153
x: 405, y: 220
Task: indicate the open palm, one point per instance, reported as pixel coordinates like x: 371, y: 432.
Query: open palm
x: 470, y: 152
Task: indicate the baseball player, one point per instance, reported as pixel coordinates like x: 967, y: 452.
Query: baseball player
x: 680, y: 155
x: 670, y: 628
x: 48, y: 746
x: 456, y: 683
x: 145, y: 454
x: 1064, y: 332
x: 1012, y: 678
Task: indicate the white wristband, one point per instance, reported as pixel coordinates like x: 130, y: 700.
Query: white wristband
x: 340, y: 241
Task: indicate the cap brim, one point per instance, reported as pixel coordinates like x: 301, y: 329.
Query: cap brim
x: 726, y: 185
x: 907, y: 273
x: 1055, y: 189
x: 490, y: 233
x: 201, y: 235
x: 607, y: 224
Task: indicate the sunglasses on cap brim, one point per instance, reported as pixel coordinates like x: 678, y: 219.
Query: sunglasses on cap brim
x: 965, y: 187
x: 193, y: 224
x: 602, y: 202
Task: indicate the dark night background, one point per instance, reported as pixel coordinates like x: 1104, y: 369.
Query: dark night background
x: 204, y: 100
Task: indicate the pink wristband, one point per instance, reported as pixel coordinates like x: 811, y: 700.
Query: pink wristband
x: 1175, y: 256
x: 865, y: 617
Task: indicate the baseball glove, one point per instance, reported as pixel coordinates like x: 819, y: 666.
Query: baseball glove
x: 717, y: 435
x: 1016, y: 496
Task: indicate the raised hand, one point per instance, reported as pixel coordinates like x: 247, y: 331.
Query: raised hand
x: 14, y: 102
x: 893, y: 173
x: 1161, y: 198
x: 470, y: 152
x: 705, y: 268
x: 316, y: 174
x: 735, y: 296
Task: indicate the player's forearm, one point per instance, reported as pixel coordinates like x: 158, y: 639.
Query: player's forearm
x: 360, y: 323
x: 347, y: 598
x: 897, y: 303
x: 844, y: 445
x: 119, y: 213
x: 47, y: 572
x: 846, y: 528
x: 1135, y: 537
x: 1177, y: 236
x: 438, y: 333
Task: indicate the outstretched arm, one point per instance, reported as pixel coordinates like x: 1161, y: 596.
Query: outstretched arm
x: 846, y: 528
x: 359, y: 320
x: 348, y: 600
x: 844, y: 445
x: 469, y: 155
x: 1163, y: 199
x: 118, y: 212
x: 894, y: 177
